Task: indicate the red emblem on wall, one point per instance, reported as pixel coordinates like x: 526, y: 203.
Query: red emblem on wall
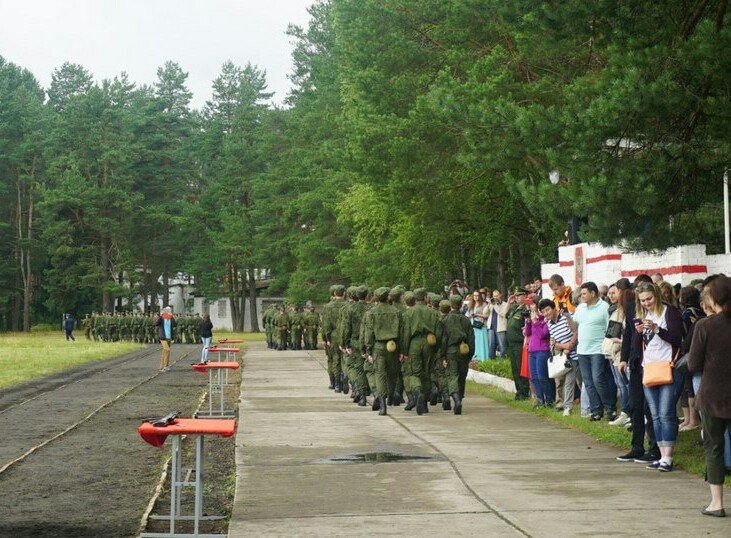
x: 579, y: 265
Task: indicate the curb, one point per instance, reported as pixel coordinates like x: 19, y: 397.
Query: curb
x: 484, y: 378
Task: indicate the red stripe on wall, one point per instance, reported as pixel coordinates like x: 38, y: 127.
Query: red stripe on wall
x: 674, y: 270
x: 566, y: 264
x: 604, y: 258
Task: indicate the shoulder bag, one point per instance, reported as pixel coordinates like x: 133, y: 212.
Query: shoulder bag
x: 558, y: 366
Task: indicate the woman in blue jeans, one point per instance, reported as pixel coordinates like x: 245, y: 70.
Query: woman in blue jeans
x: 539, y: 351
x: 661, y: 329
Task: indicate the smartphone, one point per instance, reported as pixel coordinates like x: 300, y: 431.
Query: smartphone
x: 636, y: 321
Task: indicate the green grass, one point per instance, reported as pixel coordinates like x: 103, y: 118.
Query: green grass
x: 688, y: 452
x: 499, y: 367
x: 27, y: 356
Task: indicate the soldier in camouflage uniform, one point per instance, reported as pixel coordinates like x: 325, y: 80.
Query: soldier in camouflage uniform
x: 436, y: 372
x: 267, y: 320
x: 419, y: 329
x: 395, y: 296
x: 281, y: 322
x: 297, y: 326
x: 353, y: 317
x: 383, y: 327
x: 311, y: 322
x: 330, y: 318
x: 369, y: 369
x: 514, y: 338
x: 86, y: 324
x: 456, y: 333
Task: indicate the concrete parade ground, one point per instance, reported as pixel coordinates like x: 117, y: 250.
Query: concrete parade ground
x: 311, y: 463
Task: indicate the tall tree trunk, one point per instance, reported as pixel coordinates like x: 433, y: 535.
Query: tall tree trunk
x: 233, y: 296
x: 253, y: 310
x: 15, y: 306
x: 502, y: 268
x: 165, y: 287
x: 107, y: 304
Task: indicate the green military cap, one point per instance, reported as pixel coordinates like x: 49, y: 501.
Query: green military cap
x: 520, y: 291
x: 308, y: 304
x: 352, y: 290
x: 362, y: 292
x: 455, y: 300
x: 396, y: 292
x: 434, y: 299
x: 420, y: 294
x: 444, y: 306
x: 409, y: 297
x: 339, y: 289
x: 332, y: 289
x: 382, y: 294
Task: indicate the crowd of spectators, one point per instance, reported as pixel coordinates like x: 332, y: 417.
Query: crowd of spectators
x: 630, y: 353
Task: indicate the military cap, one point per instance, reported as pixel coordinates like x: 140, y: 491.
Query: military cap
x: 434, y: 299
x: 362, y: 292
x: 382, y: 294
x: 409, y: 297
x: 520, y: 291
x: 444, y: 306
x: 308, y: 304
x: 420, y: 294
x: 455, y: 300
x: 396, y: 292
x: 352, y: 291
x: 339, y: 289
x: 332, y: 289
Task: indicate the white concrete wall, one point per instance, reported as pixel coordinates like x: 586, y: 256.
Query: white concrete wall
x: 586, y: 262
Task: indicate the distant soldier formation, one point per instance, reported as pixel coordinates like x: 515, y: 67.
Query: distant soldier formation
x: 291, y: 326
x: 397, y: 346
x: 137, y: 327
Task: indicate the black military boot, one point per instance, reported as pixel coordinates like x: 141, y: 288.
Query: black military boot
x: 382, y: 400
x: 446, y: 403
x: 457, y: 403
x: 434, y: 396
x: 344, y: 383
x: 362, y: 402
x: 338, y: 386
x: 356, y: 393
x: 376, y: 403
x: 398, y: 398
x: 332, y: 382
x: 420, y: 402
x: 411, y: 403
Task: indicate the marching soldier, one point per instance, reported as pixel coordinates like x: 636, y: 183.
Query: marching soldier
x: 281, y: 322
x: 456, y: 350
x: 311, y: 322
x: 330, y: 318
x: 353, y: 317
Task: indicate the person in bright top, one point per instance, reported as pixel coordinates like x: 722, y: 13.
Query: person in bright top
x: 165, y: 324
x: 561, y: 294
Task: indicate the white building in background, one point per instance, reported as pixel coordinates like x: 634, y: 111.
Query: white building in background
x: 592, y: 262
x: 183, y: 299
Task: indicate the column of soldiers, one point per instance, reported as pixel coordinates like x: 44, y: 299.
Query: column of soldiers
x: 391, y: 343
x: 291, y: 326
x: 137, y: 327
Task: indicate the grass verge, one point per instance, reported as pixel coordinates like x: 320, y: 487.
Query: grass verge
x: 27, y: 356
x: 687, y: 455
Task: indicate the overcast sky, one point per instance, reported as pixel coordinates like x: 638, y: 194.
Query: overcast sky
x: 138, y: 36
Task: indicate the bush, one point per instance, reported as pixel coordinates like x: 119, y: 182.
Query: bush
x: 499, y: 367
x: 45, y: 327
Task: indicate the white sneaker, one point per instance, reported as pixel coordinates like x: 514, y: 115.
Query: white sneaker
x: 622, y: 420
x: 567, y: 412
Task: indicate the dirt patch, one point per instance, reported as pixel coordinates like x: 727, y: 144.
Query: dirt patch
x: 97, y: 479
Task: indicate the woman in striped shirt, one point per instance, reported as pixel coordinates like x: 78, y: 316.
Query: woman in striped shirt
x: 563, y: 339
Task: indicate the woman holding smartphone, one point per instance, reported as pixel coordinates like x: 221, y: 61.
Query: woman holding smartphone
x: 660, y: 327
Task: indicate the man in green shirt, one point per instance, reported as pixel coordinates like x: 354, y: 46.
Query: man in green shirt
x: 517, y: 314
x: 456, y: 349
x: 383, y: 327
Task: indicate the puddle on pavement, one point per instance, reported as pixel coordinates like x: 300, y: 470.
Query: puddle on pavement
x: 378, y: 457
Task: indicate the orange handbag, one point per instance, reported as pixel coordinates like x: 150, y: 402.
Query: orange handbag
x: 657, y: 373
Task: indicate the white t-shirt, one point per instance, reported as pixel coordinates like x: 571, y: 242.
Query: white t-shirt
x: 656, y: 349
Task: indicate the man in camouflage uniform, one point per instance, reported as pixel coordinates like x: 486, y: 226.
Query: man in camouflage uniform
x: 456, y: 332
x: 86, y: 324
x: 395, y: 296
x: 436, y: 372
x: 297, y: 325
x: 514, y: 335
x: 382, y: 329
x: 330, y: 318
x: 369, y: 368
x: 268, y: 322
x: 352, y: 320
x: 281, y: 322
x: 311, y: 323
x: 420, y: 325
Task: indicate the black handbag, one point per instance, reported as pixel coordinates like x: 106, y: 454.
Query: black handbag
x: 614, y: 330
x: 681, y: 365
x: 477, y: 323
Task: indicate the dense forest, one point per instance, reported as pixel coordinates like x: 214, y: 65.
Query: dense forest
x: 415, y: 147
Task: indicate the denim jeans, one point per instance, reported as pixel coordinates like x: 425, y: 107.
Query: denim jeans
x: 623, y: 387
x: 544, y: 385
x: 496, y: 338
x: 206, y: 345
x: 663, y: 400
x: 597, y: 375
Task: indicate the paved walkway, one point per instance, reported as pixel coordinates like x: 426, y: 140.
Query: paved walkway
x: 494, y: 471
